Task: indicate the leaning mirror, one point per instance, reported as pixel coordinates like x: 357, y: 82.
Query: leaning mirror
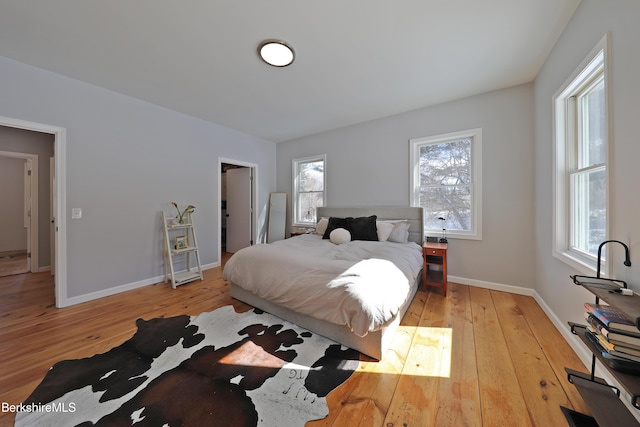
x: 277, y: 217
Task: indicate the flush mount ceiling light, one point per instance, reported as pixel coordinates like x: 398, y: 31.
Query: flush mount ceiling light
x: 276, y: 53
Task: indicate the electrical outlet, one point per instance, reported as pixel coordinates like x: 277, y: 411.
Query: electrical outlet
x: 76, y: 213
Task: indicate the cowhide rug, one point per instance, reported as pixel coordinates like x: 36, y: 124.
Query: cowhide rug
x: 217, y: 369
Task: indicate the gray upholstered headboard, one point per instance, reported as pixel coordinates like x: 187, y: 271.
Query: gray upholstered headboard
x: 412, y: 214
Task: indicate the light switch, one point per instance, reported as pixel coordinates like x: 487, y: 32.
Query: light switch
x: 76, y: 213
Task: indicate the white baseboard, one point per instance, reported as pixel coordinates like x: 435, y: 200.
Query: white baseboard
x: 210, y: 265
x: 491, y: 285
x: 124, y: 288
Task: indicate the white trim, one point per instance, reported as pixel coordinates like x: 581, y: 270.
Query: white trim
x: 114, y: 290
x: 512, y: 289
x: 126, y: 287
x: 476, y: 170
x: 60, y: 202
x: 294, y: 185
x: 254, y: 200
x: 560, y: 181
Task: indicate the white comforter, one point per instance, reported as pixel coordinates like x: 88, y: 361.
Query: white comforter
x: 360, y: 284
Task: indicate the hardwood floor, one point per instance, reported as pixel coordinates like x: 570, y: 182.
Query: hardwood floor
x: 13, y: 262
x: 474, y: 358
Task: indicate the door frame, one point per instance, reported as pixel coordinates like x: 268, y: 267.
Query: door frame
x: 60, y: 199
x: 32, y: 236
x: 254, y: 199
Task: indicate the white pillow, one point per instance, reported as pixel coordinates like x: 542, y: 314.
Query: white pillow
x: 340, y: 236
x: 400, y: 232
x: 321, y: 226
x: 384, y: 230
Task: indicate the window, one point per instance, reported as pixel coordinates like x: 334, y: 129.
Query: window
x: 446, y: 182
x: 581, y: 203
x: 308, y: 189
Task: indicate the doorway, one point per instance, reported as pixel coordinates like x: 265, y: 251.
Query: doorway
x: 57, y: 222
x: 19, y: 237
x: 237, y: 201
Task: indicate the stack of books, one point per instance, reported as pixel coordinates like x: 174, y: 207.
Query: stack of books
x: 615, y: 336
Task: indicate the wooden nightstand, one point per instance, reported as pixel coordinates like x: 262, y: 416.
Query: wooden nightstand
x: 299, y: 232
x: 435, y: 254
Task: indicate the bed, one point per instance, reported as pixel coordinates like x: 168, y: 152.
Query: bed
x: 289, y: 279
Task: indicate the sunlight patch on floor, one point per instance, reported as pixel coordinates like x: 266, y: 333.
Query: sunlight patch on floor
x: 429, y: 356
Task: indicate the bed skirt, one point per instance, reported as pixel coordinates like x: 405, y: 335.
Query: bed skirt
x: 374, y: 344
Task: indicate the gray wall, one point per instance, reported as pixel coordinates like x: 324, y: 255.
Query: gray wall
x: 592, y: 20
x: 368, y: 164
x: 24, y: 141
x: 126, y: 161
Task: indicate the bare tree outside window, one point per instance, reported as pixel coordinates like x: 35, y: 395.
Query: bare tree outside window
x: 309, y: 194
x: 446, y: 182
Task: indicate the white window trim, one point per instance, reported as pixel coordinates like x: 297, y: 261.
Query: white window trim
x: 583, y: 263
x: 475, y: 233
x: 294, y: 174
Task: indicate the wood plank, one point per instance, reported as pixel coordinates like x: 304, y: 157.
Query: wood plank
x: 460, y: 394
x: 541, y: 387
x: 416, y: 399
x: 482, y: 387
x: 369, y: 400
x: 501, y: 395
x: 557, y: 350
x: 13, y: 262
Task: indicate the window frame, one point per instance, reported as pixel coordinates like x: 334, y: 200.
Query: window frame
x: 475, y: 231
x: 295, y: 169
x: 566, y: 134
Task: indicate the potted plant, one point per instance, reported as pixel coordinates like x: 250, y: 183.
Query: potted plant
x: 183, y: 214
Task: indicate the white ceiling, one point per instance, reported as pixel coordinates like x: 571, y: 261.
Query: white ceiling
x: 356, y: 60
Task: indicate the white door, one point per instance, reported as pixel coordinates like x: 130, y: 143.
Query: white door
x: 238, y: 209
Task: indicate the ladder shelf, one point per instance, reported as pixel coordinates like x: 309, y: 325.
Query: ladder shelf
x: 180, y: 245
